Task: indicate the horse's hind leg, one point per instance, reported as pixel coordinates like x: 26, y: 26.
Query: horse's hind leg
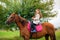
x: 46, y: 37
x: 53, y: 37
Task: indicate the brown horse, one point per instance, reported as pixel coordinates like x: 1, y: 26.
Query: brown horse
x: 48, y: 28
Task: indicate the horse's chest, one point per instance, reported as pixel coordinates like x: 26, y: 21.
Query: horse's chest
x: 25, y: 32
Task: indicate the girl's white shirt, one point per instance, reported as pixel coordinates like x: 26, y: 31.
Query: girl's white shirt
x: 36, y: 20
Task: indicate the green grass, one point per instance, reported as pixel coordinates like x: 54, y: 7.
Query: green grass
x: 58, y: 35
x: 8, y: 35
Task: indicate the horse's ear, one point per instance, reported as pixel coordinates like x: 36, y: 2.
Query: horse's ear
x: 13, y: 12
x: 19, y: 14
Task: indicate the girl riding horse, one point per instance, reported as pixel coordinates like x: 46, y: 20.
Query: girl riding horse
x: 36, y: 19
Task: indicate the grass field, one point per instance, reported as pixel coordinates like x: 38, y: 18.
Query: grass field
x: 9, y: 35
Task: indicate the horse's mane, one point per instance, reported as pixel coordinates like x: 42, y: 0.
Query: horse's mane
x: 23, y: 21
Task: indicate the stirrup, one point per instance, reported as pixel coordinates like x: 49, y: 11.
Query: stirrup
x: 33, y: 31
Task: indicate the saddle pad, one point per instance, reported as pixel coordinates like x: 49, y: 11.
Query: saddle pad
x: 38, y: 27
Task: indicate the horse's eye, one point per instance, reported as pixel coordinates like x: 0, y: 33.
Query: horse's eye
x: 11, y: 17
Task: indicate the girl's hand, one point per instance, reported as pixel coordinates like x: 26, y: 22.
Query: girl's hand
x: 32, y: 18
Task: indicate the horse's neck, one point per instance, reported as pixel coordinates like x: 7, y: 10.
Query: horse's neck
x: 19, y: 23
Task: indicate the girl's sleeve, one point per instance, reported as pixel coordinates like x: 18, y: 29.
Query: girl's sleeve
x: 37, y: 16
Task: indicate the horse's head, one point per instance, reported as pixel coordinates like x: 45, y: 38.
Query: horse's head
x: 11, y: 18
x: 15, y: 18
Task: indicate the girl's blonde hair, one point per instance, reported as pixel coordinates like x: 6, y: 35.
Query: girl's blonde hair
x: 39, y: 12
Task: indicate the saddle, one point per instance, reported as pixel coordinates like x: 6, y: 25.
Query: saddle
x: 33, y: 27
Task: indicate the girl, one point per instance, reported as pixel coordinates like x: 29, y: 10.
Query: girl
x: 36, y: 18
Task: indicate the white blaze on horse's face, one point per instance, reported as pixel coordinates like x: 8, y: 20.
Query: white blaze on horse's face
x: 10, y: 18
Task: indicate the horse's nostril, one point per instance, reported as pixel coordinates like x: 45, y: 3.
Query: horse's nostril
x: 7, y: 22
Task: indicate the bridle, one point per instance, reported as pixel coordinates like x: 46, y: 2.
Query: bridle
x: 13, y: 18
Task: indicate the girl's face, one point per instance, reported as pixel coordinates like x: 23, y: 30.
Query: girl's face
x: 37, y: 11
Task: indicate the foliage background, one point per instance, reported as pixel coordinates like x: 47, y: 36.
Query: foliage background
x: 25, y: 8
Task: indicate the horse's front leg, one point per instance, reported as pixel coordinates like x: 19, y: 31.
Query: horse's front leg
x: 26, y: 38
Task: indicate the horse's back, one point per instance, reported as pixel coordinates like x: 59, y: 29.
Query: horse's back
x: 47, y: 24
x: 49, y: 27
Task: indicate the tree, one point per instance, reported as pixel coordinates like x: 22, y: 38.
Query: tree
x: 29, y: 6
x: 25, y: 8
